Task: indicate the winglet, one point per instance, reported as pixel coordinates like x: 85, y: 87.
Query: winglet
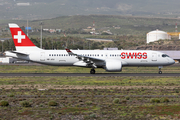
x: 70, y: 52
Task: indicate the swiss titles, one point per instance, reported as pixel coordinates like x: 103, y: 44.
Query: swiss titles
x: 134, y: 55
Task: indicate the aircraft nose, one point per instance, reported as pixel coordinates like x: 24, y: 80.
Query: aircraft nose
x: 171, y: 61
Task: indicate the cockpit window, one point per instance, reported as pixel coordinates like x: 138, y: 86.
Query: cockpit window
x: 164, y: 55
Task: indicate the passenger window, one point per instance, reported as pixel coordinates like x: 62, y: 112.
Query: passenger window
x: 49, y: 54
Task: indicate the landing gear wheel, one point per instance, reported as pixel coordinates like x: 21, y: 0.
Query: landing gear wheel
x: 92, y: 71
x: 160, y: 72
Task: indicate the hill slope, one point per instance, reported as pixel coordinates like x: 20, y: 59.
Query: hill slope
x: 39, y: 9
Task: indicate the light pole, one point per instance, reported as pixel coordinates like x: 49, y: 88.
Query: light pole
x: 41, y: 23
x: 27, y: 27
x: 52, y: 44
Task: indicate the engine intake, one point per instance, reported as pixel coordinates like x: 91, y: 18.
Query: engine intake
x: 113, y: 65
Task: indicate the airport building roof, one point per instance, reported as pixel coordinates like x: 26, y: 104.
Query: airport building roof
x: 5, y: 38
x: 99, y: 40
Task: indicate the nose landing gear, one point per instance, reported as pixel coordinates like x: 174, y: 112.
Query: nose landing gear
x: 160, y: 72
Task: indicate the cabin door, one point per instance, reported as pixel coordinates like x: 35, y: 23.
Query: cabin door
x: 154, y: 57
x: 42, y: 56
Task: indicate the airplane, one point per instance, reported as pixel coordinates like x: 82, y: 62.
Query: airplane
x: 110, y: 60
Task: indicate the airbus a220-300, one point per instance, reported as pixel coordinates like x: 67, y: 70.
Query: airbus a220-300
x: 110, y: 60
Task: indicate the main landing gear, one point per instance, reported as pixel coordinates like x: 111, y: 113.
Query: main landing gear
x: 92, y: 71
x: 160, y: 72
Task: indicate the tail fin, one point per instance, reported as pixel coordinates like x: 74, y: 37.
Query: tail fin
x: 21, y: 40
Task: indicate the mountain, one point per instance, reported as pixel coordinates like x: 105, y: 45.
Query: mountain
x: 40, y: 9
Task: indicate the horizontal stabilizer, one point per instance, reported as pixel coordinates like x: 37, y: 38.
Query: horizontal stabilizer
x: 20, y: 53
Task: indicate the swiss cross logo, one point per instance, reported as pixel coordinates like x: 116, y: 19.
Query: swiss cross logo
x: 19, y: 36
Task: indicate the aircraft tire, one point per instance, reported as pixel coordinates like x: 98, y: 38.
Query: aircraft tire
x: 92, y: 71
x: 160, y: 72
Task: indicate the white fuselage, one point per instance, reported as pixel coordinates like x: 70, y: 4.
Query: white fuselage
x: 127, y: 57
x: 111, y: 60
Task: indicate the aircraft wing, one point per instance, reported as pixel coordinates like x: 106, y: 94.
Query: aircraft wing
x: 89, y: 60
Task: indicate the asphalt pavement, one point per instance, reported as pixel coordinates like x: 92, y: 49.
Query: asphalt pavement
x: 87, y: 74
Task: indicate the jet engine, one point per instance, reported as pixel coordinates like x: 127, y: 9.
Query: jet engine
x: 113, y: 65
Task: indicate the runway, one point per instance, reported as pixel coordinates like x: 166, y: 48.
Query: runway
x: 87, y: 74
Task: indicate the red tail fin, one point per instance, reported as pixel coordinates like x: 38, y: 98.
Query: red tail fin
x: 19, y: 37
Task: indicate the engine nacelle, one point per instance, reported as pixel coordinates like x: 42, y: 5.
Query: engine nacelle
x: 113, y: 65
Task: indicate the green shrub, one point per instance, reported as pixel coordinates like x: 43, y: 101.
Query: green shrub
x: 127, y: 98
x: 4, y: 103
x: 177, y: 91
x: 152, y: 100
x: 116, y: 100
x: 89, y: 102
x: 92, y: 115
x: 41, y: 105
x: 11, y: 95
x: 52, y: 103
x: 165, y: 100
x: 155, y: 100
x: 25, y: 104
x: 124, y: 101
